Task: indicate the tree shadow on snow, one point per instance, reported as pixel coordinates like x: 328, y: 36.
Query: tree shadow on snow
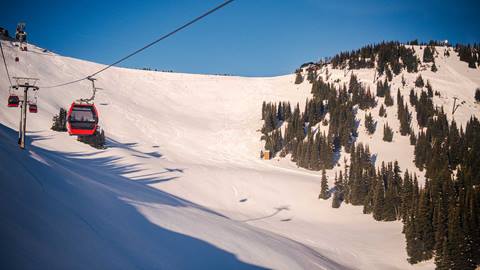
x: 78, y: 211
x: 112, y: 143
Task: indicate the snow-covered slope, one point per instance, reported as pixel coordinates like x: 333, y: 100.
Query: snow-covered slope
x: 454, y: 79
x: 180, y: 184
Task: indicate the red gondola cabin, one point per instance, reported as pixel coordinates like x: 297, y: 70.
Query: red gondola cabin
x: 13, y: 101
x: 82, y: 119
x: 33, y: 108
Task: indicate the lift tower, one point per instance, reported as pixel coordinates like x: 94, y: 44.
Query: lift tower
x: 26, y: 84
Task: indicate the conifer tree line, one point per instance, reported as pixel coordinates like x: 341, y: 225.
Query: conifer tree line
x: 387, y: 57
x: 312, y: 73
x: 298, y: 76
x: 382, y: 88
x: 429, y: 57
x: 469, y: 53
x: 424, y: 107
x: 314, y: 153
x: 404, y: 116
x: 441, y: 217
x: 360, y: 95
x: 388, y: 101
x: 273, y: 114
x: 392, y: 57
x: 429, y: 43
x: 379, y: 191
x: 429, y: 54
x: 309, y: 147
x: 423, y: 104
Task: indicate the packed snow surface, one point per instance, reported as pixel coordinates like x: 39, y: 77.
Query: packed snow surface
x: 181, y: 185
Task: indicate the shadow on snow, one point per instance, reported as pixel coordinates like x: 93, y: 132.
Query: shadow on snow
x: 74, y: 211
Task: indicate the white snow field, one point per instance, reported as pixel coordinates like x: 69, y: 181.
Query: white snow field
x: 181, y: 185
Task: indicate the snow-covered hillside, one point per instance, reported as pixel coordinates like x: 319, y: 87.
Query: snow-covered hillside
x: 453, y: 80
x: 180, y: 184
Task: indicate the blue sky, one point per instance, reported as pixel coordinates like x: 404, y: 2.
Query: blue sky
x: 248, y: 37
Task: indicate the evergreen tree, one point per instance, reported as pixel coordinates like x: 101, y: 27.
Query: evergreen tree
x: 361, y: 172
x: 324, y: 191
x: 471, y: 63
x: 406, y: 196
x: 378, y: 198
x: 411, y: 241
x: 298, y: 76
x: 388, y: 98
x: 429, y: 89
x: 472, y: 223
x: 421, y: 150
x: 434, y: 67
x: 382, y: 88
x: 424, y: 225
x: 388, y: 74
x: 428, y: 55
x: 441, y: 214
x: 389, y: 213
x: 369, y: 124
x: 412, y: 237
x: 311, y: 74
x: 413, y: 138
x: 369, y: 199
x: 387, y: 133
x: 280, y: 112
x: 477, y: 95
x: 288, y: 111
x: 396, y: 68
x: 270, y: 122
x: 60, y: 121
x: 264, y: 108
x: 413, y: 98
x: 419, y: 81
x: 454, y: 252
x: 467, y: 54
x: 425, y: 109
x: 382, y: 112
x: 390, y: 176
x: 403, y: 115
x: 338, y: 194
